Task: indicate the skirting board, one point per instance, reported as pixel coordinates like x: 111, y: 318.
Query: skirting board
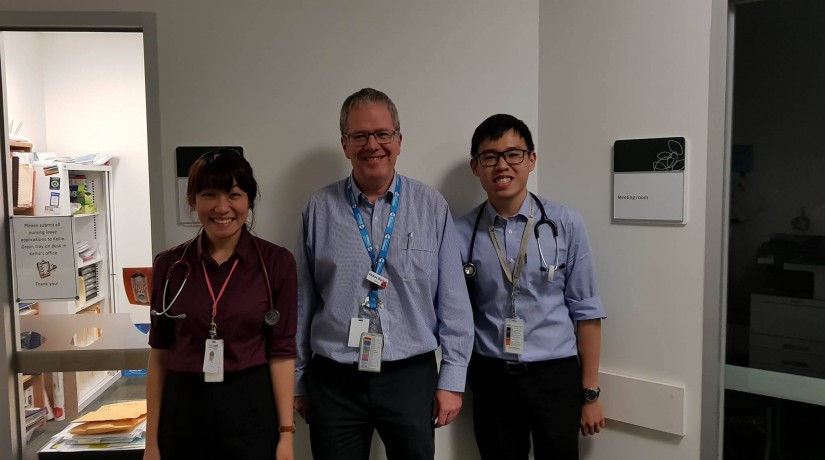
x: 654, y: 405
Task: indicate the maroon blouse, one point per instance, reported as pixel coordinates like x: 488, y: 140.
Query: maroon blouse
x: 248, y: 341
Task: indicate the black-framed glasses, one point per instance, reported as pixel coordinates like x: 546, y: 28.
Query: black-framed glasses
x: 360, y: 139
x: 511, y: 156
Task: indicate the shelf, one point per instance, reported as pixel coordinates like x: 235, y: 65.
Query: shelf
x: 90, y: 214
x: 90, y: 303
x: 89, y: 262
x: 17, y: 145
x: 81, y: 167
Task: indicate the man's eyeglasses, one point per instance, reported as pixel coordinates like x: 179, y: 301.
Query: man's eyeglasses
x: 512, y: 157
x: 360, y: 139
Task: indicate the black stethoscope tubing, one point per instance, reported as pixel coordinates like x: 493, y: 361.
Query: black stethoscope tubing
x: 470, y: 269
x: 272, y: 316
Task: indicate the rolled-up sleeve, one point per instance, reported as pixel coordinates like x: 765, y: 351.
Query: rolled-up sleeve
x: 581, y: 294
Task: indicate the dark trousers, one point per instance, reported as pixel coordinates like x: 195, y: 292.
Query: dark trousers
x: 511, y: 403
x: 347, y: 405
x: 234, y: 419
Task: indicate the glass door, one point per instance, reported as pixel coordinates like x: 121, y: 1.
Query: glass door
x: 775, y: 350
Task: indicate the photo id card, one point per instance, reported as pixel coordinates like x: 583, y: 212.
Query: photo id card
x: 213, y: 361
x: 514, y: 336
x: 357, y: 326
x: 369, y: 354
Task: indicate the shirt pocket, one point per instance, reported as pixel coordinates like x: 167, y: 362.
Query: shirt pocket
x: 417, y: 257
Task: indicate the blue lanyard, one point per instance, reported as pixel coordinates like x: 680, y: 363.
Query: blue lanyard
x: 378, y: 261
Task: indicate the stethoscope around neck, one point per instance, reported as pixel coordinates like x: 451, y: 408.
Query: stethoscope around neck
x: 470, y: 269
x: 271, y: 317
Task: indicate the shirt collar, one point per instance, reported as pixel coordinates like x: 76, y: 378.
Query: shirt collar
x: 245, y: 249
x: 523, y: 211
x: 359, y: 194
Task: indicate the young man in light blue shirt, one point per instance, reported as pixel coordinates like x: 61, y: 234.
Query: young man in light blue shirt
x: 531, y: 279
x: 380, y: 288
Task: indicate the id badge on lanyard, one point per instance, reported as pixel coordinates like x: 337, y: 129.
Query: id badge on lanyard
x: 213, y: 349
x: 368, y: 311
x: 513, y: 326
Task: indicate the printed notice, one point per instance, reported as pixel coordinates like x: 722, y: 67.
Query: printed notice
x: 649, y: 180
x: 44, y: 258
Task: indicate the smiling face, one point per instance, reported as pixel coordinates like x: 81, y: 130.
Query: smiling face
x: 222, y: 213
x: 505, y: 184
x: 373, y: 164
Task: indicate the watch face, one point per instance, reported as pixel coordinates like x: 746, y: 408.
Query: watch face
x: 591, y: 394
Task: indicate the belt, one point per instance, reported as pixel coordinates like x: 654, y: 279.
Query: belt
x: 385, y: 365
x: 516, y: 367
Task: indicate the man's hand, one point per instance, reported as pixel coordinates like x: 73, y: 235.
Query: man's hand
x: 446, y: 406
x: 592, y: 418
x: 301, y: 406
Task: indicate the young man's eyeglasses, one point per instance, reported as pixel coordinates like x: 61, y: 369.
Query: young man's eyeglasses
x: 359, y: 139
x: 512, y: 157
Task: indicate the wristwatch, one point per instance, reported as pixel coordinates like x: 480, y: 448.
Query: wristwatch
x: 592, y: 394
x: 287, y: 429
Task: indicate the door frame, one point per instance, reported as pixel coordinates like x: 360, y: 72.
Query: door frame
x: 11, y: 431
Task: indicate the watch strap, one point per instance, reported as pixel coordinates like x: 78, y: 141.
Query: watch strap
x: 287, y: 429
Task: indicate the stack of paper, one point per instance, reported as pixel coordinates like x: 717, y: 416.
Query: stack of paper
x: 35, y: 417
x: 111, y: 424
x: 85, y: 250
x: 67, y: 442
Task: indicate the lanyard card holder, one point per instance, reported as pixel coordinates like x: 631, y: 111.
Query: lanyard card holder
x: 369, y: 353
x: 213, y: 361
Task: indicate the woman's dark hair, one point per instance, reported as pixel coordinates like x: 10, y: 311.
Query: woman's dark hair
x: 220, y: 169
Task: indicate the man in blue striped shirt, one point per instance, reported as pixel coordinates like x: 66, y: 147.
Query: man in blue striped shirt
x: 380, y: 287
x: 532, y: 282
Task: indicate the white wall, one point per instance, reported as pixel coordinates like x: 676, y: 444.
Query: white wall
x: 24, y: 85
x: 275, y: 85
x: 95, y: 101
x: 619, y: 70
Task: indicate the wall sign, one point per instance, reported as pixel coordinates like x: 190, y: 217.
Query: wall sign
x: 184, y: 157
x: 649, y: 180
x: 44, y: 258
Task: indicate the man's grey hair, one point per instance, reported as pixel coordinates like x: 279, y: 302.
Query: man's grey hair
x: 364, y: 96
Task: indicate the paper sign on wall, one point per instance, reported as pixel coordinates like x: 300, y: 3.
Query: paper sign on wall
x: 44, y: 258
x: 649, y: 180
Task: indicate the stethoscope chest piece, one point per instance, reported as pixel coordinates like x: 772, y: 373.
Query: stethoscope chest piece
x: 272, y: 317
x: 470, y: 270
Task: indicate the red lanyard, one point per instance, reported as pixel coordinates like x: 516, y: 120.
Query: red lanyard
x: 215, y: 300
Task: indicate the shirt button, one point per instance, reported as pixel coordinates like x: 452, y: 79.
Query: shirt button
x: 510, y: 231
x: 512, y: 260
x: 375, y: 218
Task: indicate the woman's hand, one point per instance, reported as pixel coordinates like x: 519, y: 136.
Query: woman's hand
x: 285, y: 449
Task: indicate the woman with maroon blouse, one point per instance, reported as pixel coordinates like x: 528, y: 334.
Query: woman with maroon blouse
x: 220, y: 378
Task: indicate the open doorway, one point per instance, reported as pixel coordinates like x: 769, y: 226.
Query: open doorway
x: 78, y: 175
x: 775, y: 350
